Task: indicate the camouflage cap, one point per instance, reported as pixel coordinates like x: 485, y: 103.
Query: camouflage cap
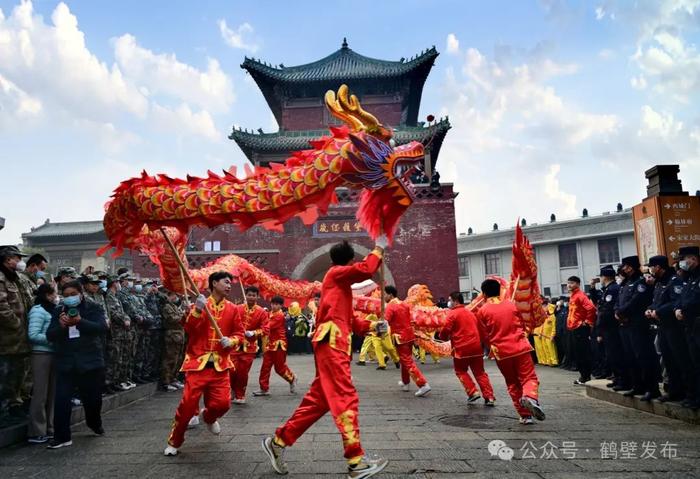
x: 101, y: 274
x: 66, y: 271
x: 10, y: 250
x: 125, y: 276
x: 111, y: 280
x: 91, y: 278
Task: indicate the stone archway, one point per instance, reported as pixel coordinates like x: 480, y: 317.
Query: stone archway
x: 314, y: 265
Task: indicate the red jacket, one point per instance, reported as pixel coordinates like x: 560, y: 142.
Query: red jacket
x: 202, y: 340
x: 503, y: 326
x: 335, y: 321
x: 253, y: 320
x: 276, y: 331
x: 581, y: 310
x: 398, y: 314
x: 465, y: 333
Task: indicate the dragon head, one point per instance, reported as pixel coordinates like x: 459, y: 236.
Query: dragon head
x: 373, y: 162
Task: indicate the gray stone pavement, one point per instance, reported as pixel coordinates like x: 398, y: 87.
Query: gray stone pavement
x: 439, y: 436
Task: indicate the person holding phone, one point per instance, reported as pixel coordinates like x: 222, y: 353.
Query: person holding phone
x: 76, y: 331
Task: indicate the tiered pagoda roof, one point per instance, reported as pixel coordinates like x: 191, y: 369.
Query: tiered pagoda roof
x: 288, y: 141
x: 364, y: 75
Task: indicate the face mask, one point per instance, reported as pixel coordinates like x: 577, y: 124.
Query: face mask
x: 103, y: 284
x: 21, y: 266
x: 138, y: 288
x: 682, y: 264
x: 618, y: 280
x: 41, y: 274
x: 130, y: 284
x: 449, y: 304
x: 56, y: 300
x: 72, y: 301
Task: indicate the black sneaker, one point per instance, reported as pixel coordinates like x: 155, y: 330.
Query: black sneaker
x: 489, y: 402
x: 381, y: 368
x: 37, y: 439
x: 54, y: 444
x: 100, y: 431
x: 360, y: 363
x: 398, y: 365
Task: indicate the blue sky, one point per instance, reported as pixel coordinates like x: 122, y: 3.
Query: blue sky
x: 555, y: 105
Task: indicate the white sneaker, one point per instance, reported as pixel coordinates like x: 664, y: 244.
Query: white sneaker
x: 293, y: 385
x: 423, y: 390
x: 214, y: 428
x: 170, y: 451
x: 276, y: 455
x: 194, y: 422
x: 124, y: 386
x: 526, y: 421
x: 170, y: 388
x: 178, y: 384
x: 404, y: 387
x: 238, y: 401
x: 367, y: 467
x: 130, y: 384
x: 260, y: 393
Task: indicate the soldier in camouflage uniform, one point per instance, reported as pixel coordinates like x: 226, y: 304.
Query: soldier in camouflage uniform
x: 15, y: 301
x: 143, y: 350
x: 153, y: 301
x: 93, y: 292
x: 120, y: 349
x: 172, y: 314
x: 131, y: 307
x: 64, y: 275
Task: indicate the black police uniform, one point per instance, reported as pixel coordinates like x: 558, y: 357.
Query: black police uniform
x: 689, y: 303
x: 608, y: 328
x: 672, y: 343
x: 637, y: 337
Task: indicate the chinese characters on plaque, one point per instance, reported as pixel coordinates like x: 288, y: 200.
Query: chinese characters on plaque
x: 340, y: 226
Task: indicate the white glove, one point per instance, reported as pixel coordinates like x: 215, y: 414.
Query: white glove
x: 381, y: 327
x: 201, y: 302
x: 381, y: 241
x: 226, y: 342
x: 249, y: 334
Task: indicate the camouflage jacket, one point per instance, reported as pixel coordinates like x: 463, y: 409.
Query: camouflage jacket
x: 99, y: 298
x: 116, y: 312
x: 152, y: 302
x: 142, y: 311
x: 15, y: 302
x: 171, y: 315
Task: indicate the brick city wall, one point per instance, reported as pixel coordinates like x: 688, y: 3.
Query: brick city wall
x: 424, y: 251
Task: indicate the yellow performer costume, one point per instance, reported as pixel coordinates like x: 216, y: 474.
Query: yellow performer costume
x: 545, y: 348
x: 381, y: 345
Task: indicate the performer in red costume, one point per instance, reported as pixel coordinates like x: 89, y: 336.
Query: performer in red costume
x: 332, y: 388
x: 582, y: 316
x: 398, y: 315
x: 254, y: 318
x: 276, y: 350
x: 207, y: 360
x: 502, y: 324
x: 466, y: 333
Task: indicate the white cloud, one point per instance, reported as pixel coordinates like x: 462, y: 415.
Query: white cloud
x: 164, y: 73
x: 452, y: 44
x: 638, y: 83
x: 183, y: 119
x: 239, y: 38
x: 606, y: 54
x: 599, y: 13
x: 15, y: 103
x: 52, y: 63
x: 656, y: 124
x: 553, y: 191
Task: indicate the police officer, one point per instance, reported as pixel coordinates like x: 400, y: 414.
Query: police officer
x: 688, y: 312
x: 608, y: 329
x: 674, y: 350
x: 637, y: 337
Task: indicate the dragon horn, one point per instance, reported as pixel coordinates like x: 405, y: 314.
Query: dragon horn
x: 347, y: 108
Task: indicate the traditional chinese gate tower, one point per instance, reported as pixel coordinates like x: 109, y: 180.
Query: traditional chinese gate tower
x: 425, y: 248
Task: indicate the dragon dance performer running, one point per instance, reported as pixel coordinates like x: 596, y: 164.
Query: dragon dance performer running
x: 502, y: 323
x: 398, y: 315
x: 254, y: 318
x: 207, y: 360
x: 466, y: 334
x: 275, y: 350
x: 332, y: 388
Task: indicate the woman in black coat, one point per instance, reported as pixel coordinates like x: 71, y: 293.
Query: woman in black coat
x: 76, y: 330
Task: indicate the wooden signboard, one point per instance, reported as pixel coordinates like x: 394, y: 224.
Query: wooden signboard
x: 662, y: 224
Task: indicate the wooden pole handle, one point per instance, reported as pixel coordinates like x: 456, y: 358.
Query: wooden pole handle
x: 185, y: 273
x: 515, y: 288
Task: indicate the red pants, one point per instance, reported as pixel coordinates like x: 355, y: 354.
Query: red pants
x: 278, y: 359
x: 331, y: 390
x: 239, y: 375
x: 476, y: 363
x: 215, y: 387
x: 409, y: 370
x: 519, y: 373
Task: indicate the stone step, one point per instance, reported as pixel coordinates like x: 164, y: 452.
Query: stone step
x: 597, y: 390
x: 18, y: 432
